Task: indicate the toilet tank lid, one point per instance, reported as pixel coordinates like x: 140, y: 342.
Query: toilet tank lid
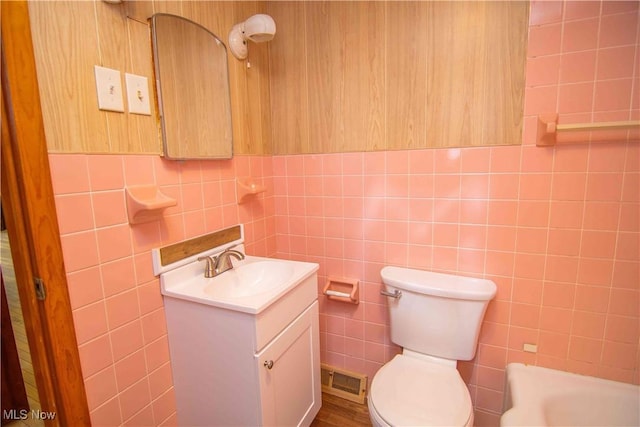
x: 439, y: 284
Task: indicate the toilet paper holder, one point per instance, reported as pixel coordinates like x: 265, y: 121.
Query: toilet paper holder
x: 344, y: 290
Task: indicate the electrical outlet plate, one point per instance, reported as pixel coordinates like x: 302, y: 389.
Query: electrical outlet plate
x: 138, y: 94
x: 109, y: 89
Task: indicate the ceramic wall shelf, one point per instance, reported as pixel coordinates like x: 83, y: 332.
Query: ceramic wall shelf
x: 146, y: 203
x: 246, y: 188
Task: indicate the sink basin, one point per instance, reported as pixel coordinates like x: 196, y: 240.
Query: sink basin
x: 250, y: 279
x: 251, y: 286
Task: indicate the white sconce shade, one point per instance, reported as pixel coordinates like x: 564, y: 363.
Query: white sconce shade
x: 258, y: 28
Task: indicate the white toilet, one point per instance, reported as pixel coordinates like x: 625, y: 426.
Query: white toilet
x: 436, y: 319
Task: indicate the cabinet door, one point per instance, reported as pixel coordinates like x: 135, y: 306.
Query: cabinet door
x: 289, y: 370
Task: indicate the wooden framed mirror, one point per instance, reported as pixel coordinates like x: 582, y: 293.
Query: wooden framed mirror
x: 192, y: 86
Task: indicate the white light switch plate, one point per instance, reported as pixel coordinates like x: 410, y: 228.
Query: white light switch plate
x: 138, y: 94
x: 109, y: 89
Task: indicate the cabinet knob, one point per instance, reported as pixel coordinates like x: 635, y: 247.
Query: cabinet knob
x: 268, y: 364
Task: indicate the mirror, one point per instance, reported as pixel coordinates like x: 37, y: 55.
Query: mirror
x: 192, y: 83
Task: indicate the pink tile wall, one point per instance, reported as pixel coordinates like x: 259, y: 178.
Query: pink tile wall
x: 117, y: 306
x: 562, y: 247
x: 582, y: 64
x: 556, y: 228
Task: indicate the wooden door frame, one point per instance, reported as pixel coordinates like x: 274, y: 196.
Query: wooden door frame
x: 30, y: 213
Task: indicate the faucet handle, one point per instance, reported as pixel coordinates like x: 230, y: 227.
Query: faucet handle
x: 210, y: 268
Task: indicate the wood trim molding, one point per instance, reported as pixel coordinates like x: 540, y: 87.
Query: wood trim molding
x: 32, y: 222
x: 12, y: 207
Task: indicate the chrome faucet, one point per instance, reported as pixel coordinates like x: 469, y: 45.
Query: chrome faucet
x: 221, y: 263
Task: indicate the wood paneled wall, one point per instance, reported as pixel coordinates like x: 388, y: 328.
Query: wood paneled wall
x: 338, y: 77
x: 363, y: 76
x: 70, y: 37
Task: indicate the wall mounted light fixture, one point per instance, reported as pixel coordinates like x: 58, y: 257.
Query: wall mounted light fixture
x: 258, y: 28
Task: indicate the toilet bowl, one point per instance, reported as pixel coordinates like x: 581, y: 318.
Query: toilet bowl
x: 436, y: 318
x: 409, y: 391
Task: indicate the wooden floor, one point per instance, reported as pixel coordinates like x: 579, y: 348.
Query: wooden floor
x: 338, y: 412
x: 17, y: 322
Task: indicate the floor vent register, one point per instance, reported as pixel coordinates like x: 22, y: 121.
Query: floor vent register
x: 339, y: 382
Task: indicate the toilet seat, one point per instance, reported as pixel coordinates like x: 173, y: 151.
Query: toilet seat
x: 412, y: 392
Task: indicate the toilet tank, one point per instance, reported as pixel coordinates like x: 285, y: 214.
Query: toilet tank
x: 437, y: 314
